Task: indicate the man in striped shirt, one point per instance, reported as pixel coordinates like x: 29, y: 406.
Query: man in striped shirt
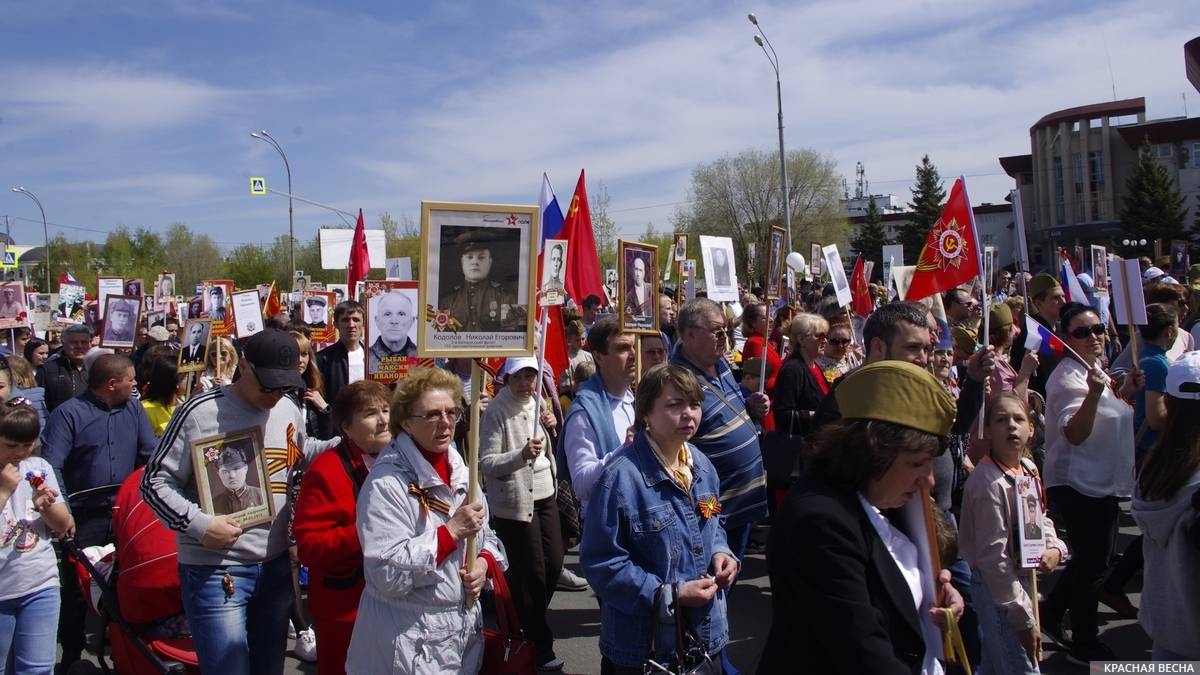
x: 727, y: 434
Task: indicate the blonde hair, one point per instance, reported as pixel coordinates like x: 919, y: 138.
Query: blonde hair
x: 419, y: 382
x: 22, y: 371
x: 805, y: 324
x: 230, y: 356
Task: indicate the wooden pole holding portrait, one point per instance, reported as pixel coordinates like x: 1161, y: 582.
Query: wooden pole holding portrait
x: 472, y: 457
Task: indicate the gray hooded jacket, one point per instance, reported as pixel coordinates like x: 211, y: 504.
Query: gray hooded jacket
x: 1170, y: 611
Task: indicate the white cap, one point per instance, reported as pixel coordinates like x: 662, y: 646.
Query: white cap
x: 1183, y: 376
x: 1152, y: 273
x: 512, y: 365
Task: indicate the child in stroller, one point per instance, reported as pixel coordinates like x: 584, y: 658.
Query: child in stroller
x: 137, y: 589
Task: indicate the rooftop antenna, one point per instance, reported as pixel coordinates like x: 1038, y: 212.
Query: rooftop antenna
x: 860, y: 182
x: 1111, y: 78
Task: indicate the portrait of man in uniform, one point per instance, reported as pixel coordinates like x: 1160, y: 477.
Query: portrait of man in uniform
x: 233, y: 490
x: 393, y: 319
x: 638, y: 294
x: 214, y: 303
x: 195, y: 344
x: 472, y: 291
x: 315, y: 311
x: 120, y: 321
x: 552, y: 275
x: 12, y: 300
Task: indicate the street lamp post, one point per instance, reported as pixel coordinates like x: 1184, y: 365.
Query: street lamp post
x: 262, y: 135
x: 765, y: 44
x: 45, y: 229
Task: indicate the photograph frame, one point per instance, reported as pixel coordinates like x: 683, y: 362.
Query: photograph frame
x: 717, y: 287
x: 553, y: 291
x: 1180, y: 258
x: 247, y: 314
x: 189, y: 364
x: 628, y: 253
x: 164, y: 297
x: 325, y: 330
x: 679, y: 247
x: 507, y: 332
x: 135, y: 287
x: 814, y: 259
x: 381, y: 366
x: 776, y: 258
x: 1031, y: 532
x: 208, y: 451
x: 335, y: 289
x: 990, y: 258
x: 107, y: 338
x: 72, y: 298
x: 20, y: 313
x: 222, y: 327
x: 1099, y: 257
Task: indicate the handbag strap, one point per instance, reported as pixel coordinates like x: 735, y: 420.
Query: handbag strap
x: 356, y: 476
x: 506, y: 610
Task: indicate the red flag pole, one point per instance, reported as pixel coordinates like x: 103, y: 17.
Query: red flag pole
x: 985, y: 334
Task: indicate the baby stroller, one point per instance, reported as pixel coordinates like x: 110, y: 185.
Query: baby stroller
x: 134, y: 587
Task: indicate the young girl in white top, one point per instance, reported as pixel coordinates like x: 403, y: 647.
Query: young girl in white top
x: 988, y: 541
x: 31, y: 512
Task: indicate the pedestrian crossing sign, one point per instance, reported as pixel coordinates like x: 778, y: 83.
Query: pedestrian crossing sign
x: 10, y: 259
x: 258, y: 185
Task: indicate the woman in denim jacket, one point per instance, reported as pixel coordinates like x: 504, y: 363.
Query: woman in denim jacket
x: 653, y: 528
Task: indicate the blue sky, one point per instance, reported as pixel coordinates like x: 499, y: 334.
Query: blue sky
x: 139, y: 113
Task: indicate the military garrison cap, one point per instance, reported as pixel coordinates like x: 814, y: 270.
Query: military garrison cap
x: 897, y: 392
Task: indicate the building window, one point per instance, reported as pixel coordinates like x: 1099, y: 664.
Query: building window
x: 1164, y: 150
x: 1096, y: 183
x: 1077, y: 180
x: 1196, y: 155
x: 1060, y: 208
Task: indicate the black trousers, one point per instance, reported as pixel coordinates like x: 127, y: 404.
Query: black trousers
x: 1092, y: 525
x: 535, y: 558
x: 93, y: 527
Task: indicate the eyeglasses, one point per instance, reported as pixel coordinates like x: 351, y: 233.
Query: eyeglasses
x: 839, y: 342
x: 453, y: 415
x: 1082, y: 332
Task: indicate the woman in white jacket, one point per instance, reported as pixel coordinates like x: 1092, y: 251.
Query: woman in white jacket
x: 517, y: 461
x: 1165, y: 506
x: 413, y: 515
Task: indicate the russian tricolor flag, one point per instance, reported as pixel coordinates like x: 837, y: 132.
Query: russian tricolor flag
x: 1039, y: 339
x: 552, y: 217
x: 1070, y: 283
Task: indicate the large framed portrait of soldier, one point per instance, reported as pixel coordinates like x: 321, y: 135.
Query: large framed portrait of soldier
x: 390, y: 327
x: 231, y: 477
x: 637, y: 279
x: 477, y: 285
x: 316, y: 310
x: 194, y: 345
x: 775, y: 259
x: 121, y: 316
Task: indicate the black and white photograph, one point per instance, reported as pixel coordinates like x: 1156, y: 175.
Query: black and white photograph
x: 12, y: 305
x: 720, y: 277
x: 1030, y: 540
x: 300, y: 282
x: 106, y: 286
x: 194, y: 345
x: 1099, y: 257
x: 195, y: 308
x: 814, y: 259
x: 478, y: 276
x: 164, y: 290
x: 339, y: 293
x: 217, y: 295
x: 134, y: 287
x: 121, y: 314
x: 989, y: 269
x: 1179, y: 258
x: 639, y: 293
x: 775, y: 259
x: 554, y: 268
x: 70, y: 303
x: 231, y: 477
x: 316, y: 311
x: 680, y: 248
x: 837, y: 274
x: 390, y: 328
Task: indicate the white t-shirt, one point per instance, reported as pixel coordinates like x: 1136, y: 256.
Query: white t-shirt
x: 27, y: 562
x: 1102, y: 465
x: 358, y: 367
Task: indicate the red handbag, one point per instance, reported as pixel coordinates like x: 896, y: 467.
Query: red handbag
x: 505, y: 650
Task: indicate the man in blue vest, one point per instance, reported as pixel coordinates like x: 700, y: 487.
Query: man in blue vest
x: 601, y: 416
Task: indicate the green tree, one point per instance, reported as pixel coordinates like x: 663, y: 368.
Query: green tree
x: 928, y: 198
x: 871, y: 238
x: 664, y: 241
x: 403, y: 239
x: 737, y: 196
x: 192, y: 257
x: 249, y: 265
x: 1153, y: 207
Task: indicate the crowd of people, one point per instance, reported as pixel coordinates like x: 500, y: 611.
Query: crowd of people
x: 914, y: 474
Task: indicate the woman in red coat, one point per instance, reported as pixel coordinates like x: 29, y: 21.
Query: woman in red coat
x: 324, y: 518
x: 754, y: 327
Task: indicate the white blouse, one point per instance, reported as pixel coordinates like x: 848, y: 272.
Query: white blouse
x: 1101, y: 466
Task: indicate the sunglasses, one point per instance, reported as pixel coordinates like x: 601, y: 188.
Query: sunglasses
x: 1083, y: 331
x: 839, y: 342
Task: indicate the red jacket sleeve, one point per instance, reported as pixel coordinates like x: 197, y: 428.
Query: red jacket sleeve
x: 753, y: 348
x: 324, y: 520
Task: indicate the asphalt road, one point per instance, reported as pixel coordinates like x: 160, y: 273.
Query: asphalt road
x: 576, y: 621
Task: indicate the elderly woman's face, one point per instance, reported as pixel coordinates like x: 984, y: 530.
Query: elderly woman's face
x: 904, y: 478
x: 942, y: 360
x: 431, y: 421
x: 673, y: 419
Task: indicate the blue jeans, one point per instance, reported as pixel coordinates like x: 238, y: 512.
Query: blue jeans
x: 1002, y: 650
x: 245, y: 631
x: 28, y: 626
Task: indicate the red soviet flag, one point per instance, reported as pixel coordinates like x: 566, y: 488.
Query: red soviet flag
x: 950, y: 256
x: 359, y: 265
x: 860, y: 291
x: 583, y: 274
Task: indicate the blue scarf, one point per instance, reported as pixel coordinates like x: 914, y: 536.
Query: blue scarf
x: 592, y: 400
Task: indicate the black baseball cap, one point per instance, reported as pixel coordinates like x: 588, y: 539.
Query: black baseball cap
x: 275, y: 356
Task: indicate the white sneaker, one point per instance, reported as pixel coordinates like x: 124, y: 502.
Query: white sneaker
x: 306, y: 646
x: 569, y: 581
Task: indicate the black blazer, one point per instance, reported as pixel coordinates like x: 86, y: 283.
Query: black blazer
x: 796, y: 388
x: 839, y: 603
